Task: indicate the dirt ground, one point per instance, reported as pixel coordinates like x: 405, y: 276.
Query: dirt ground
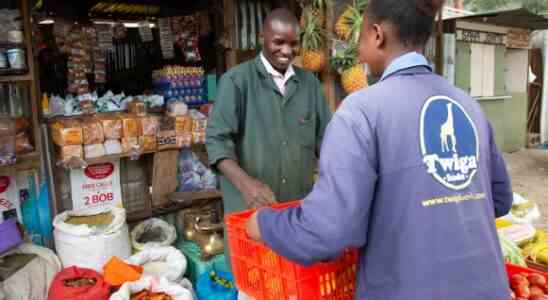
x: 529, y: 172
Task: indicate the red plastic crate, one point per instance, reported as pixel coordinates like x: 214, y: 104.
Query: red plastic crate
x: 515, y: 269
x: 264, y: 275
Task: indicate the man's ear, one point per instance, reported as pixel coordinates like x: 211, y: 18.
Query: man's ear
x: 380, y: 37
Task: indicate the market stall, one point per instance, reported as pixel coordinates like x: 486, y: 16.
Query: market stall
x: 126, y: 92
x: 488, y: 56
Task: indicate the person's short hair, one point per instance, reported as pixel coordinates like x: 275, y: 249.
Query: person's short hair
x: 413, y: 19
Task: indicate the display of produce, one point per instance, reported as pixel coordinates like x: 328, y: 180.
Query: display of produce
x: 313, y: 44
x: 527, y: 284
x: 353, y: 75
x: 511, y: 252
x: 315, y: 8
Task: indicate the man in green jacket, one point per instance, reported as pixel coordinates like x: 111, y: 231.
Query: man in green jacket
x: 266, y: 127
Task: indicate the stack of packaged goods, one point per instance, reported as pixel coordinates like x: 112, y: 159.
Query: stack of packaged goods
x: 186, y: 84
x: 132, y: 132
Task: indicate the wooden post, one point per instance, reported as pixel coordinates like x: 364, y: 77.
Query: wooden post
x: 328, y: 76
x: 33, y: 86
x: 439, y: 44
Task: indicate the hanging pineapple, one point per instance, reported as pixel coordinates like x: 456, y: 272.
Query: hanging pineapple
x: 313, y: 44
x: 353, y: 76
x: 317, y: 9
x: 349, y: 19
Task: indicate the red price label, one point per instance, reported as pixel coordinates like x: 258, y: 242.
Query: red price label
x: 98, y: 198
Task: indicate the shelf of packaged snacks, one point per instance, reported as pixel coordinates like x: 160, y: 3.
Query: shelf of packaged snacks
x: 27, y: 161
x: 185, y: 200
x: 15, y: 78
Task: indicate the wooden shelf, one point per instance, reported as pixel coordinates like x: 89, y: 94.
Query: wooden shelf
x: 15, y: 78
x: 108, y: 158
x: 28, y: 161
x: 186, y: 200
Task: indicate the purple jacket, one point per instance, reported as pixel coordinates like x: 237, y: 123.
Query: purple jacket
x: 410, y: 174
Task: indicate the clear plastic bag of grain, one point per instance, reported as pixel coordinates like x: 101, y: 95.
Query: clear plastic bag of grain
x: 7, y: 141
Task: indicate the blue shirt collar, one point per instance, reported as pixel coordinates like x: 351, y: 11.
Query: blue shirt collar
x: 406, y: 61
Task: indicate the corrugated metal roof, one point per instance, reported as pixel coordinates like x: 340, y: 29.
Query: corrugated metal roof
x: 520, y: 18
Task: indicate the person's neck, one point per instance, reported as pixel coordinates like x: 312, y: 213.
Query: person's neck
x: 397, y: 52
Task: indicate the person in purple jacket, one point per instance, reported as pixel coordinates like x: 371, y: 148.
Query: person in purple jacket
x: 409, y: 173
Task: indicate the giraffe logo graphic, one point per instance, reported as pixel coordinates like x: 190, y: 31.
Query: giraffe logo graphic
x: 449, y: 142
x: 447, y: 132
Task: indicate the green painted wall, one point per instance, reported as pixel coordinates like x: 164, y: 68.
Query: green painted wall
x: 515, y: 122
x: 507, y: 116
x: 462, y: 66
x: 509, y: 120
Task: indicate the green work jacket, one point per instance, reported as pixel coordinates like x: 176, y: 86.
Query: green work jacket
x: 275, y: 138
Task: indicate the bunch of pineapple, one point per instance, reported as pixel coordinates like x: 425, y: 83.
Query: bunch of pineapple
x: 317, y: 9
x: 313, y: 43
x: 353, y: 75
x: 349, y: 23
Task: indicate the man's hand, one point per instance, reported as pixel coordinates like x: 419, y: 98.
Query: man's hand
x: 252, y: 227
x: 256, y: 194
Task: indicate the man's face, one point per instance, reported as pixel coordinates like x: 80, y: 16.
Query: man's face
x: 281, y: 44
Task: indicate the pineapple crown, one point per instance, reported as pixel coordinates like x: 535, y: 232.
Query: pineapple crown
x: 345, y: 59
x: 312, y: 35
x: 321, y: 4
x: 361, y: 5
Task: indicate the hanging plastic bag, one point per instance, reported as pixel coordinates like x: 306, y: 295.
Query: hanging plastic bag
x: 161, y: 261
x: 78, y: 283
x: 153, y: 233
x: 154, y: 285
x: 523, y: 211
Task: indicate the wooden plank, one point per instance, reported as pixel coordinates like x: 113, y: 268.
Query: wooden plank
x: 25, y: 162
x: 108, y: 158
x: 518, y: 38
x: 476, y: 70
x: 328, y: 75
x: 33, y: 73
x: 15, y: 78
x: 164, y: 176
x: 488, y: 64
x: 187, y: 199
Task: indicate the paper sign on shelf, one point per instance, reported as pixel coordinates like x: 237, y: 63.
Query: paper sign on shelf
x: 96, y: 186
x: 9, y: 202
